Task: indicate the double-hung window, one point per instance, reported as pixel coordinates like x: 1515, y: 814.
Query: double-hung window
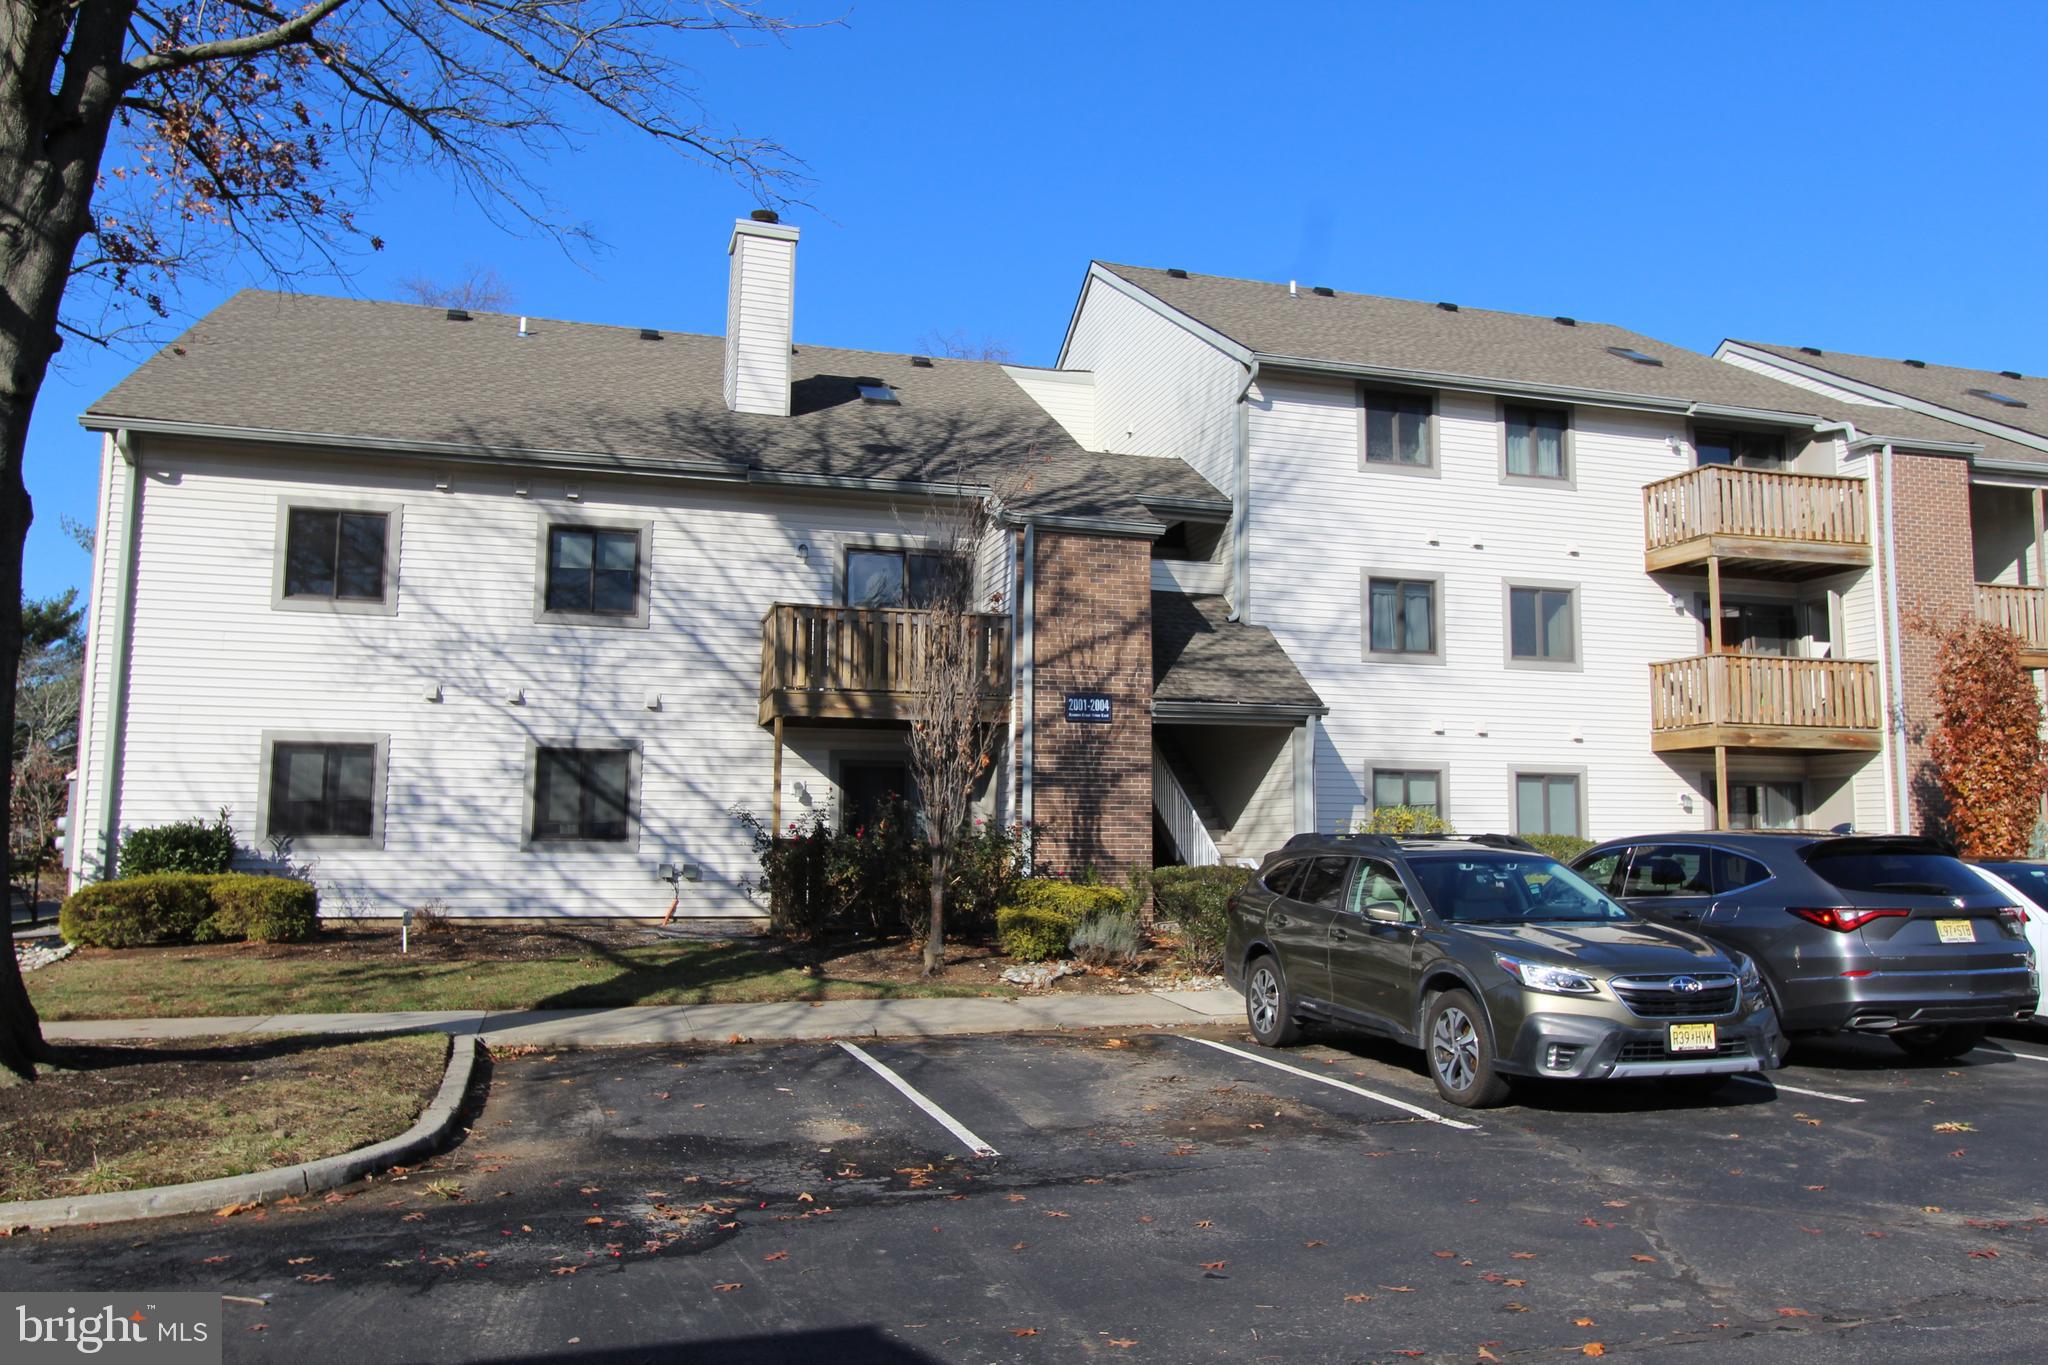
x: 583, y: 795
x: 1538, y: 442
x: 322, y: 789
x: 1401, y: 616
x: 1397, y: 429
x: 337, y: 558
x: 1418, y: 789
x: 593, y: 571
x: 1543, y: 625
x: 1548, y: 803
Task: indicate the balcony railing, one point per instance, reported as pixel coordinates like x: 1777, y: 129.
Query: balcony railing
x: 1753, y: 701
x: 2023, y: 611
x: 1756, y: 517
x: 864, y: 663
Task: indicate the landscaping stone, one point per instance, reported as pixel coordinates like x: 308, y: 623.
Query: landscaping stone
x: 30, y: 956
x: 1038, y: 976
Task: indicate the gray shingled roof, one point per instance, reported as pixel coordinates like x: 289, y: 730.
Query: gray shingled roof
x: 1502, y: 348
x: 1946, y: 385
x: 350, y: 368
x: 1200, y: 655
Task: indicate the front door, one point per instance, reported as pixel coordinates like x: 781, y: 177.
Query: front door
x: 1372, y: 961
x: 870, y: 789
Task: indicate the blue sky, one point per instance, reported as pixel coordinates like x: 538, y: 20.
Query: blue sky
x: 1858, y: 177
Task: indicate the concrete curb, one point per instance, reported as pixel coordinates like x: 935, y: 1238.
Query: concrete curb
x: 308, y: 1177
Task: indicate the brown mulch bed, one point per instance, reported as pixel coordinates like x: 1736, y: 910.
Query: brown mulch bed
x: 137, y: 1114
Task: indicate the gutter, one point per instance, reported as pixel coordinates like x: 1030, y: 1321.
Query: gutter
x: 1237, y: 713
x: 1026, y: 625
x: 1865, y: 389
x: 107, y: 829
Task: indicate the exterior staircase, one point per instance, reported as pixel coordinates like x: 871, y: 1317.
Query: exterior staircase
x: 1184, y: 804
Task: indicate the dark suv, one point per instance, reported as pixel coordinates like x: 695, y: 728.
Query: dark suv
x: 1880, y: 933
x: 1496, y: 960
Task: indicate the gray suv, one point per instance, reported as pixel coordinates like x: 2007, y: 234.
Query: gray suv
x: 1877, y: 934
x: 1494, y: 959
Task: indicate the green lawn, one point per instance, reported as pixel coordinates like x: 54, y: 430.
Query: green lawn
x: 179, y: 981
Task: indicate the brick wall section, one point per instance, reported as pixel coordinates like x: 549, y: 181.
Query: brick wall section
x: 1092, y: 783
x: 1936, y: 572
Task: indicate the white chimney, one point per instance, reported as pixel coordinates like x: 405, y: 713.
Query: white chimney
x: 760, y: 303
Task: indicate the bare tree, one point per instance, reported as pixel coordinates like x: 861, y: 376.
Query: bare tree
x: 955, y: 345
x: 143, y: 140
x: 480, y: 288
x: 955, y: 678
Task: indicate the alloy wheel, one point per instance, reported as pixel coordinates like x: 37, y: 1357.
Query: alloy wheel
x: 1454, y: 1048
x: 1265, y: 999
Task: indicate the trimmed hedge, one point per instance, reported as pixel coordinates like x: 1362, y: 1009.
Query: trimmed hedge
x: 264, y: 909
x: 1041, y: 918
x: 187, y: 846
x: 1563, y: 847
x: 182, y: 907
x: 1197, y: 899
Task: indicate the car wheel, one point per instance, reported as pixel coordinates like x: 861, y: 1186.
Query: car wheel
x: 1939, y: 1044
x: 1460, y: 1050
x: 1267, y: 1006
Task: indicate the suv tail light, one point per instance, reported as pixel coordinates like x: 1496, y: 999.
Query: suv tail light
x: 1842, y: 919
x: 2013, y: 915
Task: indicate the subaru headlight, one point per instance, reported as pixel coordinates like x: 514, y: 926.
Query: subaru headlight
x: 1542, y: 976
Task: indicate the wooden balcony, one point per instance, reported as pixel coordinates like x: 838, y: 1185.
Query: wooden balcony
x: 1756, y: 522
x: 2024, y: 612
x: 861, y: 663
x: 1755, y: 701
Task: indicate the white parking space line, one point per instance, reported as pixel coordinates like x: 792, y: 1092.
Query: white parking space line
x: 1797, y: 1090
x: 910, y: 1092
x: 2008, y: 1052
x: 1375, y: 1095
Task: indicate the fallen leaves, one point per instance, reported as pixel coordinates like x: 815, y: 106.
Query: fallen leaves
x: 1358, y: 1298
x: 1214, y: 1265
x: 230, y: 1210
x: 1953, y: 1127
x: 1583, y: 1322
x: 1023, y: 1331
x: 296, y: 1260
x: 1645, y: 1260
x: 1523, y: 1255
x: 1793, y: 1313
x: 776, y: 1256
x: 1593, y: 1348
x: 1987, y: 1254
x: 1123, y: 1343
x: 728, y: 1287
x: 316, y: 1279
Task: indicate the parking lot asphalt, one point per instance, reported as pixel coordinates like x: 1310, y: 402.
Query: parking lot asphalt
x: 1146, y: 1196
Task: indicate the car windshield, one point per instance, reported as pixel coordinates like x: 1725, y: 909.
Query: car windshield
x: 1511, y: 889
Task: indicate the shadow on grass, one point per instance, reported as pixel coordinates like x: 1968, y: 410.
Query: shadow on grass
x: 90, y: 1057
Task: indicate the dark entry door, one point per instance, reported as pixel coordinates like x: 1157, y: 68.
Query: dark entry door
x: 872, y: 788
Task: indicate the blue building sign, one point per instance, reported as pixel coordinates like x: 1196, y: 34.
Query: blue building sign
x: 1090, y: 708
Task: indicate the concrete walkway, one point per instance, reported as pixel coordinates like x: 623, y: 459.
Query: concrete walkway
x: 712, y: 1023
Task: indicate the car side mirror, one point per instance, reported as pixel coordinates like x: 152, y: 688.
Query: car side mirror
x: 1383, y: 912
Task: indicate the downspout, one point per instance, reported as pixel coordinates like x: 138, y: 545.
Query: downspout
x: 1241, y: 545
x: 108, y: 828
x: 1027, y: 671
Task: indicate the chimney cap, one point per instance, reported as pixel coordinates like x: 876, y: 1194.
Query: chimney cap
x: 765, y: 216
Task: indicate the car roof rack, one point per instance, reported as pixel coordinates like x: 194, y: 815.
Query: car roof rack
x: 1394, y: 843
x: 1512, y: 841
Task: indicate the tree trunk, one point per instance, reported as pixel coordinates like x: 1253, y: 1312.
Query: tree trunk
x: 53, y: 136
x: 935, y: 932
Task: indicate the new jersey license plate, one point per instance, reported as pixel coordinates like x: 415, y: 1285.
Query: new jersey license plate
x: 1693, y: 1038
x: 1955, y: 930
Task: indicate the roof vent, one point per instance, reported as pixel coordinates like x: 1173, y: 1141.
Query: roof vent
x: 1448, y: 307
x: 1916, y: 364
x: 1324, y: 291
x: 2012, y: 374
x: 1811, y: 350
x: 649, y: 334
x: 765, y: 216
x: 1629, y: 353
x: 923, y: 362
x: 458, y: 315
x: 1564, y: 321
x: 1177, y: 274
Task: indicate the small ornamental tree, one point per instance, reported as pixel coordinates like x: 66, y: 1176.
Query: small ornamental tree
x: 1989, y: 762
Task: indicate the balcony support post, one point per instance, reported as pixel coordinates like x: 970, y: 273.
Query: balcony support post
x: 2040, y: 533
x: 1720, y: 786
x: 1713, y: 604
x: 775, y: 802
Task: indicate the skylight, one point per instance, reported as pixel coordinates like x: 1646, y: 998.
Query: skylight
x: 875, y: 391
x: 1631, y: 354
x: 2004, y: 399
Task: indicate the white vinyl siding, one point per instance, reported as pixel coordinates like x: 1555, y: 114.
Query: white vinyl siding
x: 1068, y: 397
x: 1474, y: 718
x: 213, y: 668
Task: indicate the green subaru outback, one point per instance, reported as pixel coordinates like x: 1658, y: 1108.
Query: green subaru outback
x: 1495, y: 960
